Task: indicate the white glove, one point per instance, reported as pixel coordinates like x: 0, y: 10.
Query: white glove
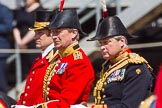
x: 77, y: 106
x: 21, y: 106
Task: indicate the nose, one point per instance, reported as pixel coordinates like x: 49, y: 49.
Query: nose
x: 53, y: 36
x: 102, y: 47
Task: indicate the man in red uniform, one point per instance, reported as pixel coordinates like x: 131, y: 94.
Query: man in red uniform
x: 32, y: 94
x: 74, y: 74
x: 69, y: 84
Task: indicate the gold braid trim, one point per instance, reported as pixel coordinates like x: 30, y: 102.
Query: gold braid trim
x: 50, y: 71
x: 44, y: 106
x: 100, y: 83
x: 40, y: 106
x: 102, y: 70
x: 41, y: 24
x: 131, y: 58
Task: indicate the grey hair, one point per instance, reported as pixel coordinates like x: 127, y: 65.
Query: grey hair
x: 119, y: 37
x: 71, y: 30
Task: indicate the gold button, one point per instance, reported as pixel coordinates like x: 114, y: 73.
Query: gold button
x: 138, y: 71
x: 28, y: 87
x: 24, y: 102
x: 103, y: 89
x: 48, y: 99
x: 104, y: 96
x: 26, y: 94
x: 102, y: 102
x: 47, y: 93
x: 30, y: 79
x: 59, y: 61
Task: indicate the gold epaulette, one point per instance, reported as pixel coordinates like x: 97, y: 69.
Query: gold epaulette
x: 137, y: 59
x: 147, y: 102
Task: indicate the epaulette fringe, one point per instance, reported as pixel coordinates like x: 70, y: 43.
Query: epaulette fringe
x: 137, y: 59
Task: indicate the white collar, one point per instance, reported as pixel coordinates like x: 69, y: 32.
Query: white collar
x: 47, y: 50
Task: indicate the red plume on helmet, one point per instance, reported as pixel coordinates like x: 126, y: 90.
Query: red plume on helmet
x: 61, y: 5
x: 104, y: 9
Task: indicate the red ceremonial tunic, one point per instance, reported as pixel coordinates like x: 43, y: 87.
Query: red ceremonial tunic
x: 70, y: 81
x: 32, y: 94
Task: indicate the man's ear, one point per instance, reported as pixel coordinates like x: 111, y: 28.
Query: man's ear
x: 122, y: 42
x: 75, y: 33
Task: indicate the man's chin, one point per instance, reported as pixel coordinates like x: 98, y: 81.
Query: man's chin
x: 57, y: 46
x: 38, y: 47
x: 106, y: 57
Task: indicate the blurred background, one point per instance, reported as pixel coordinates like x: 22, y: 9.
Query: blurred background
x: 143, y: 19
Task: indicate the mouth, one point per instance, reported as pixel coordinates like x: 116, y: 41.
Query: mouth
x: 56, y: 42
x: 37, y: 42
x: 104, y: 53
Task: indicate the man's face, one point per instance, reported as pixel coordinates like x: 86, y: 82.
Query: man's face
x: 110, y: 47
x: 62, y: 38
x: 42, y: 39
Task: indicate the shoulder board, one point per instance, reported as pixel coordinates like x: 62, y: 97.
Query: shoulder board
x: 77, y: 55
x: 137, y: 59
